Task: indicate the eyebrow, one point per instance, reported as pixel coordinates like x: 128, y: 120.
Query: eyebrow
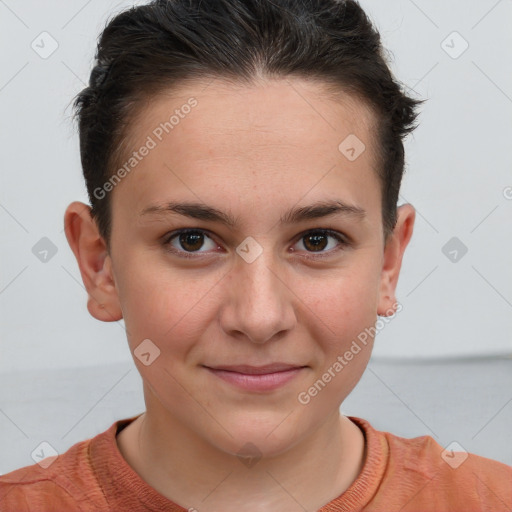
x: 202, y: 211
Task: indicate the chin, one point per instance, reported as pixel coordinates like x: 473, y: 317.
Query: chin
x: 258, y: 435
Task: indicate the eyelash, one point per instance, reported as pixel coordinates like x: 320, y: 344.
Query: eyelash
x: 191, y: 255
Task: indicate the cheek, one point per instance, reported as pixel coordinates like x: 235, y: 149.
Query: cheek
x: 162, y: 303
x: 343, y: 341
x: 345, y: 303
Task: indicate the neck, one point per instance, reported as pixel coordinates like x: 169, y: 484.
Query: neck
x: 193, y: 473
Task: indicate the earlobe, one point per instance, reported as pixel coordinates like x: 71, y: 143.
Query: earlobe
x: 392, y: 261
x: 93, y: 261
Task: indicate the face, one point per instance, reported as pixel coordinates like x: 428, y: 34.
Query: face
x: 273, y: 286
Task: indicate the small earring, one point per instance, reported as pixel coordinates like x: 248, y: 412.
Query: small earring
x: 384, y: 315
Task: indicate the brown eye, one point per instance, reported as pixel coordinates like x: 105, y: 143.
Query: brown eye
x: 318, y: 240
x: 315, y: 242
x: 191, y: 241
x: 188, y: 241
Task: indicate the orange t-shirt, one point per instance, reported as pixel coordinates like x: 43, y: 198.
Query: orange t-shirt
x: 398, y: 474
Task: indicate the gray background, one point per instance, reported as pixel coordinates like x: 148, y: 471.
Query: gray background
x: 441, y: 367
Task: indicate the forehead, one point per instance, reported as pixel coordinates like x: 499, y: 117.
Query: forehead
x: 283, y: 133
x: 286, y: 110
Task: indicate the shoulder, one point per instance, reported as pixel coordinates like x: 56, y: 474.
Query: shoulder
x: 65, y: 482
x: 426, y: 476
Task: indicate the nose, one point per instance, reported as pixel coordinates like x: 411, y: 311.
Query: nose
x: 260, y: 302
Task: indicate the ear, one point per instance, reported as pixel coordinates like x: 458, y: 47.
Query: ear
x: 95, y: 263
x: 392, y: 260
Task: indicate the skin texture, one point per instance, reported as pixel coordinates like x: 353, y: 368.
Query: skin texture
x: 255, y: 152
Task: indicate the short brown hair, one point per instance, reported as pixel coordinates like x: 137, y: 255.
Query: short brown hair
x: 152, y: 47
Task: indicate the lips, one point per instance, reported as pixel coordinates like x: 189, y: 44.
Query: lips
x: 256, y: 379
x: 257, y: 370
